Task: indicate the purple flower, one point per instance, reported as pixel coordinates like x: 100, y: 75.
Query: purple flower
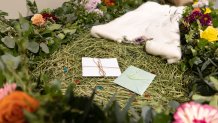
x: 92, y: 6
x: 140, y: 40
x: 193, y: 16
x: 206, y: 20
x: 47, y: 16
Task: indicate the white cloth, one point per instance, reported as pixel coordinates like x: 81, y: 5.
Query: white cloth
x: 151, y: 20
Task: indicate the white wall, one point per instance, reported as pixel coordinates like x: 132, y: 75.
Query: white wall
x: 14, y: 7
x: 216, y: 4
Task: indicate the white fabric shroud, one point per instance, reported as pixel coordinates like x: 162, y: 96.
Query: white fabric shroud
x: 151, y: 20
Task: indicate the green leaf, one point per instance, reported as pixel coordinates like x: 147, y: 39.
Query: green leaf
x: 173, y: 104
x: 8, y: 41
x: 118, y: 113
x: 3, y: 13
x: 69, y: 93
x: 55, y: 88
x: 195, y: 60
x: 61, y: 36
x: 11, y: 61
x: 33, y: 47
x: 162, y: 118
x: 202, y: 43
x: 214, y: 81
x: 2, y: 79
x: 128, y: 104
x: 44, y: 47
x: 32, y: 6
x: 110, y: 102
x: 201, y: 98
x: 204, y: 66
x: 216, y: 53
x: 214, y: 101
x: 194, y: 52
x: 29, y: 116
x: 147, y: 114
x: 50, y: 42
x: 70, y: 31
x: 54, y: 27
x: 183, y: 66
x: 2, y: 67
x: 25, y: 26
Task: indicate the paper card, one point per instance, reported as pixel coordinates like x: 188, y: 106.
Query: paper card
x: 100, y: 67
x: 135, y: 79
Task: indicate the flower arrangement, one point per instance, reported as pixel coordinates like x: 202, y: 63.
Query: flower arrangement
x: 111, y: 9
x: 18, y: 106
x: 199, y: 35
x: 35, y: 101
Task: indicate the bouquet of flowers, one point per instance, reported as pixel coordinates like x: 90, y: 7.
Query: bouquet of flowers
x: 25, y: 99
x: 199, y: 36
x: 199, y: 32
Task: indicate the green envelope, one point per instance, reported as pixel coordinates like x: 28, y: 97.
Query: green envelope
x: 135, y: 79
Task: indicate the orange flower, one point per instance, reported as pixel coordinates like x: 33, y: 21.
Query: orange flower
x: 196, y: 9
x: 12, y: 106
x: 109, y: 2
x: 38, y: 20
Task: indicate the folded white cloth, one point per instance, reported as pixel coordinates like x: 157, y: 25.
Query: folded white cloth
x: 150, y: 20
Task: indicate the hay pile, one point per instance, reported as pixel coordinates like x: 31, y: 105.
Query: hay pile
x: 65, y: 65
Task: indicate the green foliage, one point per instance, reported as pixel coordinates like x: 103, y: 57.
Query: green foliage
x: 56, y: 107
x: 32, y: 6
x: 22, y: 41
x: 200, y: 56
x: 2, y: 14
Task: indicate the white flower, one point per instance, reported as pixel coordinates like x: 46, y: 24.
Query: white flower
x: 200, y: 4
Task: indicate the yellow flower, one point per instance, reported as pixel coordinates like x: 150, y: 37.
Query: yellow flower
x: 210, y: 34
x: 207, y: 10
x: 195, y: 2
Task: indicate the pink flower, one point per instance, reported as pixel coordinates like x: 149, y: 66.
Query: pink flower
x: 196, y: 113
x: 92, y: 5
x: 7, y: 89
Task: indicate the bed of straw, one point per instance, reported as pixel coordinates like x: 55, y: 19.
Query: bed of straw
x: 65, y: 65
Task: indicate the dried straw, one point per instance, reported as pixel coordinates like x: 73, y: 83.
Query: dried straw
x: 169, y: 83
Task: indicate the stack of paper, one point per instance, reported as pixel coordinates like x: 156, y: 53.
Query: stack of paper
x: 135, y: 79
x: 100, y: 67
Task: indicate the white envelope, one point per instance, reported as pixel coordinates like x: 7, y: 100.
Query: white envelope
x: 100, y: 67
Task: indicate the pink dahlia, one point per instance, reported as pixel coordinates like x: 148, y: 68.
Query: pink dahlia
x: 7, y: 89
x: 196, y: 113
